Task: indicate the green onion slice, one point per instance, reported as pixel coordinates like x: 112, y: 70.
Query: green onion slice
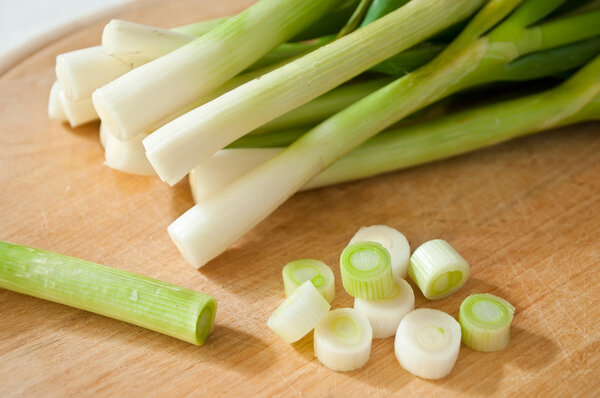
x: 393, y: 241
x: 438, y: 269
x: 427, y: 343
x: 342, y: 340
x: 485, y: 322
x: 299, y: 313
x: 385, y: 314
x: 366, y: 271
x: 165, y: 308
x: 308, y: 269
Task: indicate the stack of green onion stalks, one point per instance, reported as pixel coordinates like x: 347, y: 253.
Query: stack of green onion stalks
x: 294, y: 95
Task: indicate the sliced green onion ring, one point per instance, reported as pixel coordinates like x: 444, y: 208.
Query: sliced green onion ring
x: 385, y: 314
x: 394, y: 242
x: 299, y: 313
x: 297, y: 272
x: 342, y: 340
x: 485, y: 322
x: 366, y: 270
x: 427, y: 343
x: 438, y: 269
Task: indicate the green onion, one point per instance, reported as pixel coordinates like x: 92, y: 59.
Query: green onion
x: 342, y: 340
x: 379, y: 8
x: 356, y: 18
x: 178, y: 78
x: 469, y: 61
x: 77, y: 112
x: 574, y: 101
x: 297, y: 272
x: 165, y: 308
x: 80, y: 72
x: 392, y: 240
x: 299, y: 313
x: 438, y: 269
x: 385, y: 315
x: 127, y: 156
x: 427, y: 343
x: 55, y: 109
x: 366, y: 271
x: 323, y: 106
x: 485, y: 322
x: 128, y: 39
x: 180, y: 145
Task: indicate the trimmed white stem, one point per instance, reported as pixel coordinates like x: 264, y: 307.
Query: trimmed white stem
x: 125, y: 155
x: 55, y: 109
x: 128, y: 39
x: 78, y: 112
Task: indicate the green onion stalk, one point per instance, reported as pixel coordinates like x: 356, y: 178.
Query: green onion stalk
x: 472, y: 59
x: 408, y: 146
x: 175, y: 148
x: 178, y: 78
x: 182, y: 313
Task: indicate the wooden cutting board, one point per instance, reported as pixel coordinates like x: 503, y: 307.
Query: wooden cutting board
x: 526, y: 214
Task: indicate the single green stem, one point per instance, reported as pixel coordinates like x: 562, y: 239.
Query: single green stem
x: 287, y: 51
x: 560, y: 32
x: 165, y: 308
x: 551, y: 62
x: 324, y: 106
x: 379, y: 8
x: 356, y: 18
x: 530, y: 12
x: 330, y: 24
x: 409, y: 60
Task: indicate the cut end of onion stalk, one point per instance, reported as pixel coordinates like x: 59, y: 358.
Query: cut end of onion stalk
x: 299, y: 313
x: 438, y: 269
x: 297, y: 272
x: 427, y: 343
x: 366, y: 271
x: 127, y: 156
x: 127, y: 39
x: 55, y: 108
x: 104, y: 109
x: 485, y: 322
x: 342, y: 340
x: 78, y: 112
x: 385, y: 314
x: 394, y: 242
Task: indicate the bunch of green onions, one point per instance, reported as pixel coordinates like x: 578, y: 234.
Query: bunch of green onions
x: 294, y: 95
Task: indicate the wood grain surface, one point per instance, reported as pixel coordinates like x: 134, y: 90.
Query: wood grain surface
x: 526, y: 215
